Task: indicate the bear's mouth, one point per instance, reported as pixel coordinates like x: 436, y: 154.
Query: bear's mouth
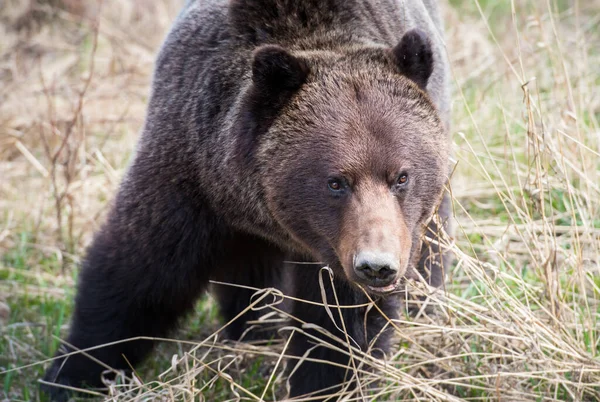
x: 385, y: 289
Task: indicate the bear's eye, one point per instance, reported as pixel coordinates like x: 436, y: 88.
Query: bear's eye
x: 402, y: 180
x: 335, y: 185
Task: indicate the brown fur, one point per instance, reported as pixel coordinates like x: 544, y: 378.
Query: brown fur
x: 256, y: 106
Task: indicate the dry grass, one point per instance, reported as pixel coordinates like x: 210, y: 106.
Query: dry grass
x: 519, y: 318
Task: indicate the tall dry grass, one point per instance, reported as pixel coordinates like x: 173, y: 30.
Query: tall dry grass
x: 519, y: 317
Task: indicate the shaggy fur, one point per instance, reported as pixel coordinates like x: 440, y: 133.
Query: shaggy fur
x: 255, y: 104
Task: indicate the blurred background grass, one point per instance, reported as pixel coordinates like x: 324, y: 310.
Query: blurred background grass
x: 519, y: 318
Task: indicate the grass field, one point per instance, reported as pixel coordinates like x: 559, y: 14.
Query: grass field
x: 519, y: 319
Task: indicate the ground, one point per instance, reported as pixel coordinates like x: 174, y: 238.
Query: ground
x: 519, y: 317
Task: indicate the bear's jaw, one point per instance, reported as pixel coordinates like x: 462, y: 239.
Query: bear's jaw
x: 385, y: 289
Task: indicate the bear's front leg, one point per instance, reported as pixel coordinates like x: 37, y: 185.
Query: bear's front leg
x: 144, y: 270
x: 365, y: 327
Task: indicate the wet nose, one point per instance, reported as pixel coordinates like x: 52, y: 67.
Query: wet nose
x: 373, y: 266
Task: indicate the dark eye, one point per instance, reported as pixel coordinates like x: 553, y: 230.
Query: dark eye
x: 401, y: 181
x: 335, y: 185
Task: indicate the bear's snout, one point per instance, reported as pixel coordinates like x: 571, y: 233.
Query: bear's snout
x: 375, y: 242
x: 378, y: 270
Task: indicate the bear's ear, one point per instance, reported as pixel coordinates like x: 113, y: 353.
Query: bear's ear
x: 276, y: 76
x: 414, y: 57
x: 276, y: 70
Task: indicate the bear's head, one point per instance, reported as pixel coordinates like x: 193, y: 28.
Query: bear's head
x: 352, y: 151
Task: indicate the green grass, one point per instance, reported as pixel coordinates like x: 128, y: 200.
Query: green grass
x: 34, y: 325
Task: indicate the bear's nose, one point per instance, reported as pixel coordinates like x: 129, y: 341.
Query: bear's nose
x: 376, y: 268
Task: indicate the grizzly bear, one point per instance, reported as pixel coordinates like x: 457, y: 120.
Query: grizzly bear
x: 277, y: 131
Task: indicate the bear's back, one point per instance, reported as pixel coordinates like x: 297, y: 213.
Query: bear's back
x: 207, y: 50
